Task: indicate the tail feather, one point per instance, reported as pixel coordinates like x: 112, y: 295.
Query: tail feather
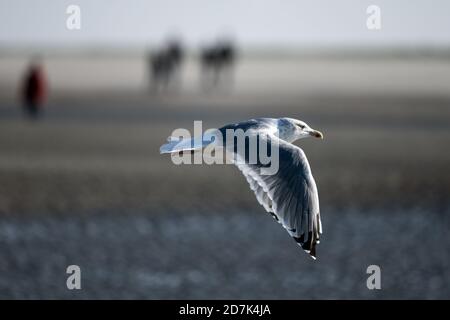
x: 176, y: 145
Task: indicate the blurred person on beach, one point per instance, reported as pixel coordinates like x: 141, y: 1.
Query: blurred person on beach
x: 217, y: 61
x: 34, y: 89
x: 165, y: 65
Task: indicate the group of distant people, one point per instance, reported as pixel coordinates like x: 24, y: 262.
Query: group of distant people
x: 216, y: 63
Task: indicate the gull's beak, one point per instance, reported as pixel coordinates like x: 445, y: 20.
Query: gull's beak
x: 316, y: 134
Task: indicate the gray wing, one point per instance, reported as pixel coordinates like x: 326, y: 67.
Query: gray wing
x: 290, y: 195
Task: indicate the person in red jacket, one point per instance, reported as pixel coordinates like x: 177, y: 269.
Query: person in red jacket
x: 35, y: 89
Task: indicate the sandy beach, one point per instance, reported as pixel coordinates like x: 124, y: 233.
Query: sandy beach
x: 86, y: 185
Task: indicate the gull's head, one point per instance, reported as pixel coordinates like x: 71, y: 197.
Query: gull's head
x: 298, y: 129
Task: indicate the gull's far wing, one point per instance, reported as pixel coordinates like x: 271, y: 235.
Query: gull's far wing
x: 290, y: 194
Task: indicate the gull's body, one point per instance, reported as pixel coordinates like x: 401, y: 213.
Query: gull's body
x: 289, y: 195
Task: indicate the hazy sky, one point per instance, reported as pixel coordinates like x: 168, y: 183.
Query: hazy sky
x: 251, y: 22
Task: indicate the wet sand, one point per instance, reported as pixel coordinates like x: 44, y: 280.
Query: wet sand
x: 199, y: 254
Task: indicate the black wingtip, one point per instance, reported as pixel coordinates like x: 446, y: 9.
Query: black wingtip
x: 309, y: 245
x: 312, y: 253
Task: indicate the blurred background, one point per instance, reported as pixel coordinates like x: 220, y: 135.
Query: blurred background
x: 84, y: 110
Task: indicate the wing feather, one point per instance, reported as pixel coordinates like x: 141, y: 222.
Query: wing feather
x: 290, y: 194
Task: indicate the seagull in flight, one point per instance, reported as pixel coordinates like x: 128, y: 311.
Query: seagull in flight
x: 290, y: 194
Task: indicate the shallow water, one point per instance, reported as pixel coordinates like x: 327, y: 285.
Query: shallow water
x: 224, y: 255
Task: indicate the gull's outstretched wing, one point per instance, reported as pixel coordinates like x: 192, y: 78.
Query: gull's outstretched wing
x: 290, y: 194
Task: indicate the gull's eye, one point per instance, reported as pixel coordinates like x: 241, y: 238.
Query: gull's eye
x: 301, y: 126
